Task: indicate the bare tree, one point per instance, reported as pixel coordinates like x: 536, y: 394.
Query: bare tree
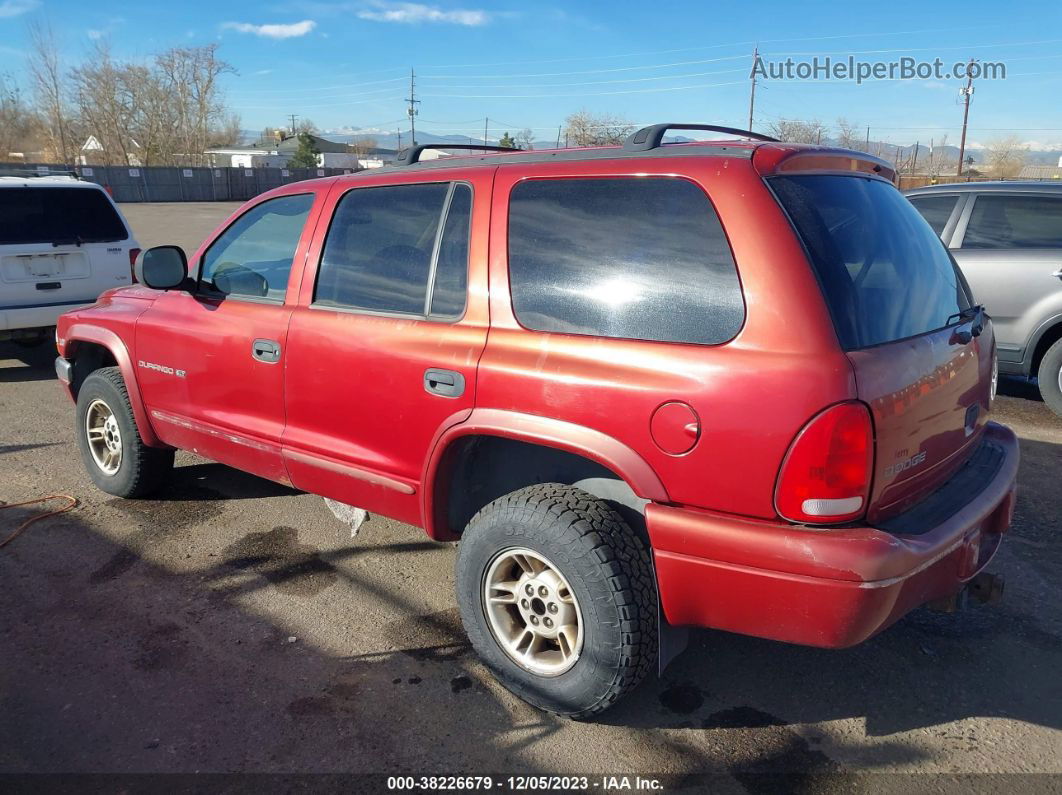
x: 589, y: 129
x: 848, y: 136
x: 796, y: 131
x: 1005, y: 157
x: 362, y: 145
x: 19, y: 125
x: 51, y: 90
x: 525, y: 139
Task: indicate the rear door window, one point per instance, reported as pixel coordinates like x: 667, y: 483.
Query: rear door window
x: 883, y: 272
x: 633, y: 257
x: 384, y: 251
x: 1014, y: 222
x: 935, y: 209
x: 58, y: 215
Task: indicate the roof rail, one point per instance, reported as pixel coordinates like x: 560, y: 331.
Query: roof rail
x: 412, y: 155
x: 32, y: 172
x: 652, y: 137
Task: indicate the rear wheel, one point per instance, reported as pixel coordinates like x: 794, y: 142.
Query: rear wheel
x: 1049, y: 377
x: 112, y: 451
x: 557, y: 596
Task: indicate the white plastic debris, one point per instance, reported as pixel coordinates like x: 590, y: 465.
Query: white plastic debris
x: 347, y: 514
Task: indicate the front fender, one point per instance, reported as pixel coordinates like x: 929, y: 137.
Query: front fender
x: 85, y: 332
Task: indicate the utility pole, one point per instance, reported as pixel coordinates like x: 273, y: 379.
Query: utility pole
x: 966, y: 92
x: 399, y: 131
x: 914, y: 162
x: 486, y: 121
x: 752, y: 93
x: 293, y: 117
x: 412, y: 111
x: 558, y: 136
x: 866, y: 147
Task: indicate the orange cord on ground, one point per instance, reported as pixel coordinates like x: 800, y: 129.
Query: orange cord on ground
x: 18, y: 530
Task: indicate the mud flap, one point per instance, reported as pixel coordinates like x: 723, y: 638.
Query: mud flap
x: 672, y: 641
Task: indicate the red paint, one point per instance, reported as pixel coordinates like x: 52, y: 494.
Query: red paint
x: 700, y: 432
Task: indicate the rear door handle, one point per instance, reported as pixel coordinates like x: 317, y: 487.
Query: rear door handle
x: 266, y: 351
x: 446, y: 383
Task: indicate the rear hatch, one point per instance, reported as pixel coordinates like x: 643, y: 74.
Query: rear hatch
x: 903, y: 315
x: 59, y: 245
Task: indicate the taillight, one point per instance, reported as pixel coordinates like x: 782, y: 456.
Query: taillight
x: 133, y: 254
x: 825, y: 477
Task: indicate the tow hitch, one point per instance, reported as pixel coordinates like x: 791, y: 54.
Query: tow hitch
x: 984, y: 587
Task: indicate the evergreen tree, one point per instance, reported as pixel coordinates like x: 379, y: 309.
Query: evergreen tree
x: 306, y: 155
x: 507, y: 142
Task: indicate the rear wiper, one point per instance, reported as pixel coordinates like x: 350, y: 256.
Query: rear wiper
x: 76, y: 240
x: 973, y: 313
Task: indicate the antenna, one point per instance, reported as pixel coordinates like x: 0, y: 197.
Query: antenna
x: 413, y: 102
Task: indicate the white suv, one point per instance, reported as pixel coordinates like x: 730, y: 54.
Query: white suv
x: 62, y: 243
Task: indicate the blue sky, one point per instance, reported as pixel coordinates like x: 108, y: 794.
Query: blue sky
x: 346, y: 63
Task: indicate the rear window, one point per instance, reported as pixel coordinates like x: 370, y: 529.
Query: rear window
x: 635, y: 258
x: 58, y: 215
x: 1015, y: 222
x: 884, y: 274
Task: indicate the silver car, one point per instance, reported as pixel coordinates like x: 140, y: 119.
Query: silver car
x: 1007, y: 239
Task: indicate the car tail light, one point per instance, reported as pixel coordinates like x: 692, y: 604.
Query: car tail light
x: 133, y: 254
x: 825, y: 477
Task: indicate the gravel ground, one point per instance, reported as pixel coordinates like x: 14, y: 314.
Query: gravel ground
x: 232, y: 625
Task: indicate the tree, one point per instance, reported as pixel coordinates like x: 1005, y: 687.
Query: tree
x: 588, y: 129
x: 18, y: 123
x: 507, y: 142
x: 799, y: 132
x: 848, y: 136
x: 1004, y: 157
x: 363, y: 145
x: 51, y: 90
x: 525, y: 139
x: 306, y: 155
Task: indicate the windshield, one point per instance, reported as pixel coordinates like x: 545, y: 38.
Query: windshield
x: 58, y: 215
x: 885, y: 274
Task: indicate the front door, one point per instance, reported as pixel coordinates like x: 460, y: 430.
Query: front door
x: 384, y: 345
x: 210, y: 361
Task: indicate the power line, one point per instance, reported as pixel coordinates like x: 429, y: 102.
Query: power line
x: 582, y: 94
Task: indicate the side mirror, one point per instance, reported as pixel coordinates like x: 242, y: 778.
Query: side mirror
x: 161, y: 267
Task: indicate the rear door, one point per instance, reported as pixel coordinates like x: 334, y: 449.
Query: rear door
x: 1011, y: 253
x: 897, y: 302
x: 59, y: 245
x: 210, y: 360
x: 384, y: 345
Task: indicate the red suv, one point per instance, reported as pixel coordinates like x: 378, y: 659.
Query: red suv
x: 737, y: 384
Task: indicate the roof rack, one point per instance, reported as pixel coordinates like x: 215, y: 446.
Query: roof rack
x: 652, y: 137
x: 32, y: 172
x: 412, y: 155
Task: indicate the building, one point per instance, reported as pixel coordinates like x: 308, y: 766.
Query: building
x: 273, y: 153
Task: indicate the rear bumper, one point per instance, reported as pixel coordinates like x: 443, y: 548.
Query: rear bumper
x: 829, y: 587
x: 37, y: 317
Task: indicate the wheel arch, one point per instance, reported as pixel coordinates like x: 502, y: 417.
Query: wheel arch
x: 96, y: 347
x: 509, y: 450
x: 1046, y: 336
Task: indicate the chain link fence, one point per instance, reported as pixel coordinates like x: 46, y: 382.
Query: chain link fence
x: 166, y: 184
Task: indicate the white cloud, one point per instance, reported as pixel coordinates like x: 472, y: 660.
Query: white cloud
x: 13, y: 8
x: 415, y: 13
x: 273, y: 31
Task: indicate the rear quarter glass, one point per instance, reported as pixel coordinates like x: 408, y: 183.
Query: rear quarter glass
x: 885, y: 274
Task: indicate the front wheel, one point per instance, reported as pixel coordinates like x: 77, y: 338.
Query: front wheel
x: 112, y: 451
x: 558, y: 598
x: 1049, y: 377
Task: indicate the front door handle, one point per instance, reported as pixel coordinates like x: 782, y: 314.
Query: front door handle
x: 266, y: 351
x: 446, y: 383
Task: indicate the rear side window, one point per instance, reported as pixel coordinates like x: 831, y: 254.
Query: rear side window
x: 252, y: 258
x: 884, y: 274
x: 384, y: 250
x: 635, y: 258
x: 1015, y: 222
x: 58, y: 215
x: 935, y: 209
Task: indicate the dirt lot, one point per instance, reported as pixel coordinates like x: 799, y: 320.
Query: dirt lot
x: 228, y: 626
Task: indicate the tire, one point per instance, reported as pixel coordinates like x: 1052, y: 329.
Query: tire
x: 1049, y: 375
x: 116, y: 458
x: 608, y: 570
